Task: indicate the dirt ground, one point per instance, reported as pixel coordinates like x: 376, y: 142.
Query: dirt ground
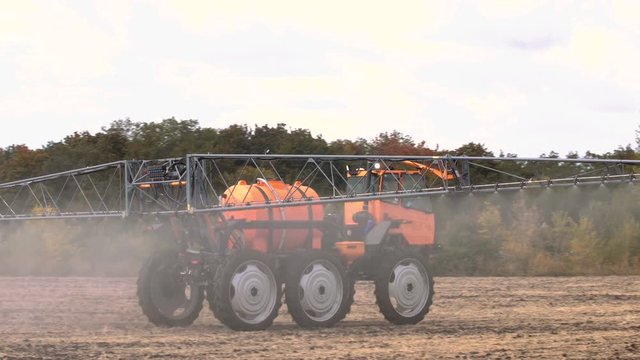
x: 581, y: 317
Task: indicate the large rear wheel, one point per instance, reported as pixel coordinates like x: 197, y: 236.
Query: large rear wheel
x: 165, y: 294
x: 318, y: 291
x: 246, y: 293
x: 403, y: 287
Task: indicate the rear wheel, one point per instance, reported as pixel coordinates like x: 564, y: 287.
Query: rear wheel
x: 165, y: 293
x: 318, y: 291
x: 403, y: 287
x: 246, y: 293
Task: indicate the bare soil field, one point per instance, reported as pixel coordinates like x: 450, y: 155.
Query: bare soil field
x: 578, y: 317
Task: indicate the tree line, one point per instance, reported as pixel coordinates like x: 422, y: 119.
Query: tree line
x: 538, y: 232
x: 125, y: 139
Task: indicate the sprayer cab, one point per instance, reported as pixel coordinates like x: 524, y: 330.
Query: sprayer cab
x: 393, y: 220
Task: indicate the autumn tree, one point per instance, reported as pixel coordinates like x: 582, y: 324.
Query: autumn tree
x: 396, y: 143
x: 19, y: 162
x: 348, y: 147
x: 518, y: 247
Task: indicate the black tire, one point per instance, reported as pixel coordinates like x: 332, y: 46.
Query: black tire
x: 256, y: 271
x: 328, y: 270
x: 407, y: 273
x: 163, y: 294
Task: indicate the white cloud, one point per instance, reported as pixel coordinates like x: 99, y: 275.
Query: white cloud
x: 207, y: 17
x: 371, y: 24
x: 49, y: 41
x: 603, y: 53
x: 49, y: 100
x: 626, y: 14
x: 361, y: 99
x: 218, y: 85
x: 495, y: 107
x: 482, y: 116
x: 117, y: 13
x: 501, y: 9
x: 421, y: 67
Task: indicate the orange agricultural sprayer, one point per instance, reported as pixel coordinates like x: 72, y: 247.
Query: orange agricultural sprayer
x: 248, y: 231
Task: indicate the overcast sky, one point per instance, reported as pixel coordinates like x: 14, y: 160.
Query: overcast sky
x: 525, y: 77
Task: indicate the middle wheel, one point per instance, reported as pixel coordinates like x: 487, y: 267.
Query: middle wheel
x: 246, y: 293
x: 318, y: 291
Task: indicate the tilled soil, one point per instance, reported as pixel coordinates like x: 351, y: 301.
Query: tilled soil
x: 577, y: 317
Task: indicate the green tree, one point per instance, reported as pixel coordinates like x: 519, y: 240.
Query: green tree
x: 235, y: 139
x: 348, y: 147
x: 472, y: 149
x: 396, y: 143
x: 620, y: 253
x: 585, y: 248
x: 83, y: 149
x: 19, y: 162
x: 469, y: 232
x: 518, y: 246
x: 165, y: 139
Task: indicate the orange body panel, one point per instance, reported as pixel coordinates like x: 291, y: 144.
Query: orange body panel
x: 269, y: 191
x: 350, y: 250
x: 418, y: 227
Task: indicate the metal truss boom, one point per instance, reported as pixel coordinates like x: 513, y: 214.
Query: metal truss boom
x: 195, y: 183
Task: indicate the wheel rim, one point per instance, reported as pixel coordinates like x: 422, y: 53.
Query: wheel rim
x: 253, y: 292
x: 172, y: 296
x: 320, y: 290
x: 408, y: 287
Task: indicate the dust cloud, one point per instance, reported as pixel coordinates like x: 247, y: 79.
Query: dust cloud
x: 76, y: 247
x: 583, y: 230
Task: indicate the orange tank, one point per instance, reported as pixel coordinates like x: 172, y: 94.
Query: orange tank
x: 269, y: 191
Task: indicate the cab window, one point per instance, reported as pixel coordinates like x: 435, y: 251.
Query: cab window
x: 421, y: 203
x: 358, y: 184
x: 390, y: 183
x: 413, y: 182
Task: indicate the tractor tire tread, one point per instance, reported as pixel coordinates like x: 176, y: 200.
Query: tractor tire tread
x: 296, y: 264
x: 145, y: 299
x: 381, y: 289
x: 218, y: 298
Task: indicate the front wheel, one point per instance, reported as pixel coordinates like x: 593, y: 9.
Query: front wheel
x: 165, y: 294
x: 319, y: 293
x: 403, y: 287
